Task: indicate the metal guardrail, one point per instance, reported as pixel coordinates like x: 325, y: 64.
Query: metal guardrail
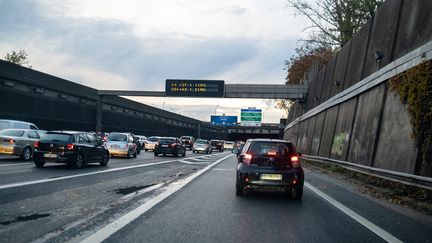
x: 404, y: 178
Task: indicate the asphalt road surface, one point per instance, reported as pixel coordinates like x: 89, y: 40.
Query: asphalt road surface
x: 192, y: 199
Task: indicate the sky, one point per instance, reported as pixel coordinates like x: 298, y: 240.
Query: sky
x: 138, y: 44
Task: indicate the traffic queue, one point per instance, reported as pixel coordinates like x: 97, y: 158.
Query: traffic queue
x: 26, y: 140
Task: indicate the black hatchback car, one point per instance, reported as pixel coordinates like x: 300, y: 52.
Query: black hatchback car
x: 74, y: 148
x: 169, y: 145
x: 269, y: 164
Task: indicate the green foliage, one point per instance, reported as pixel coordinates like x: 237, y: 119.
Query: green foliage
x: 20, y: 58
x: 414, y: 87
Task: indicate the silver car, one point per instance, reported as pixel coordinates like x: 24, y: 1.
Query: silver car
x: 19, y: 142
x: 202, y: 145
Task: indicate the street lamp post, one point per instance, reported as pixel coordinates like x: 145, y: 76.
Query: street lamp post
x: 216, y: 109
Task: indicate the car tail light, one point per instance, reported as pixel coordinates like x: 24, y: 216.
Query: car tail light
x: 295, y: 161
x: 36, y: 144
x: 173, y: 144
x: 247, y: 158
x: 70, y: 146
x: 126, y: 146
x: 11, y: 141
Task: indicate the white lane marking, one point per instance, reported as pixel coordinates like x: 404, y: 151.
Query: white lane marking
x: 121, y: 222
x: 27, y: 163
x: 193, y: 163
x: 140, y: 192
x: 26, y: 183
x: 366, y: 223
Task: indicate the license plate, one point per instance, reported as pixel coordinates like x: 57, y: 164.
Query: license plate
x: 50, y: 156
x: 273, y: 177
x: 165, y: 146
x: 115, y: 146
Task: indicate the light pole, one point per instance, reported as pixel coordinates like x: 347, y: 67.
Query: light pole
x: 163, y: 106
x: 216, y: 109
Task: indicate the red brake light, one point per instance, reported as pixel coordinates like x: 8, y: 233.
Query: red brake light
x: 36, y: 144
x: 70, y: 146
x: 295, y: 161
x: 126, y: 146
x: 173, y: 144
x: 247, y: 158
x: 271, y: 153
x: 11, y: 141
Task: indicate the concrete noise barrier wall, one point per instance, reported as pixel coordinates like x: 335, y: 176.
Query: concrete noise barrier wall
x: 351, y: 114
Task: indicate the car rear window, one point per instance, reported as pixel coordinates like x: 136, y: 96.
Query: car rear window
x: 188, y: 138
x: 166, y: 140
x: 153, y: 139
x: 57, y: 137
x: 267, y: 148
x: 201, y: 142
x: 14, y: 133
x: 116, y: 137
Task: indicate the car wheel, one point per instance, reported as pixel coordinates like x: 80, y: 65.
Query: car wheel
x: 240, y: 190
x: 184, y: 154
x: 156, y: 154
x: 105, y: 159
x: 135, y: 154
x: 78, y: 161
x: 128, y: 155
x: 146, y: 150
x: 297, y: 193
x: 26, y: 154
x: 138, y: 151
x: 176, y: 154
x: 39, y: 164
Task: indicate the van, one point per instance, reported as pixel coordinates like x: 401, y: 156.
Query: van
x: 10, y: 124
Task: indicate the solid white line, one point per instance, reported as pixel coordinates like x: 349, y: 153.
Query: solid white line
x: 26, y: 183
x: 15, y: 164
x: 193, y: 163
x: 366, y: 223
x: 121, y: 222
x: 140, y: 192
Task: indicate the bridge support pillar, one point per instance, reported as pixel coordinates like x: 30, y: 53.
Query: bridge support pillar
x: 99, y: 114
x: 199, y: 130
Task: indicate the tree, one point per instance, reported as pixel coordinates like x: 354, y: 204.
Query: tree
x: 302, y: 60
x: 20, y: 58
x: 334, y: 22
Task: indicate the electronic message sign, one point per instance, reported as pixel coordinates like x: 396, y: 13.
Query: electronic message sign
x: 251, y: 117
x: 223, y: 120
x: 194, y: 88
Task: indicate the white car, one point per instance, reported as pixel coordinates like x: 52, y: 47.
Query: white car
x: 228, y: 145
x: 151, y: 143
x: 201, y: 145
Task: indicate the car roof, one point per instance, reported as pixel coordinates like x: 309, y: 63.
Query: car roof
x: 267, y: 140
x: 16, y: 121
x: 20, y: 129
x: 167, y: 138
x: 66, y: 132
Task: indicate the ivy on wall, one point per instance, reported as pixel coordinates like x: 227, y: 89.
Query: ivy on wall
x: 414, y: 87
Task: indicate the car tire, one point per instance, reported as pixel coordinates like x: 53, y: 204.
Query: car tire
x: 296, y: 193
x: 156, y: 154
x: 176, y: 154
x: 26, y: 154
x: 105, y: 159
x: 78, y: 161
x: 135, y: 154
x: 184, y: 154
x: 138, y: 151
x: 146, y: 150
x: 128, y: 155
x: 39, y: 164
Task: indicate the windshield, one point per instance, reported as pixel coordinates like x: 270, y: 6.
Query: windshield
x: 57, y: 137
x: 117, y: 137
x: 14, y: 133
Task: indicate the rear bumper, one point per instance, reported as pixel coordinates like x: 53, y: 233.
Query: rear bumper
x: 11, y: 150
x: 149, y: 146
x: 116, y: 152
x: 250, y: 177
x: 64, y: 157
x: 160, y: 150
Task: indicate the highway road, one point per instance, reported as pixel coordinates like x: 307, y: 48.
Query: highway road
x: 192, y: 199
